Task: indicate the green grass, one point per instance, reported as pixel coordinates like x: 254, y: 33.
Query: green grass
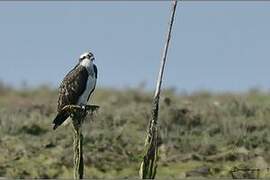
x: 202, y: 134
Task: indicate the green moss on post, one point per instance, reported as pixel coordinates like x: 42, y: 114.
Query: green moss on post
x: 149, y: 164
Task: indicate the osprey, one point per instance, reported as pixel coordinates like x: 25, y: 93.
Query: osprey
x: 76, y: 87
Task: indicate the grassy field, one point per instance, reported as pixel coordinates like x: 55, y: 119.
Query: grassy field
x: 202, y: 134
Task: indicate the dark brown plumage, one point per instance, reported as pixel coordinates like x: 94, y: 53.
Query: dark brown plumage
x: 72, y: 87
x: 70, y: 90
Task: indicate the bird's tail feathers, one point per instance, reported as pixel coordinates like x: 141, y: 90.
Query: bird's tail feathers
x: 60, y: 118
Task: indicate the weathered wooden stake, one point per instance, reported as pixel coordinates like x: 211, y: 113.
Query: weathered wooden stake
x: 78, y: 114
x: 149, y: 164
x: 78, y: 149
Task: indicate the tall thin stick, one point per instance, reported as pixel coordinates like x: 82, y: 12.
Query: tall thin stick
x: 149, y: 165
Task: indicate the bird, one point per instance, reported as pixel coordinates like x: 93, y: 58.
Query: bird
x: 76, y: 87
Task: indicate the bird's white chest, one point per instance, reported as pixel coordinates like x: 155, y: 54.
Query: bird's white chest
x: 91, y: 82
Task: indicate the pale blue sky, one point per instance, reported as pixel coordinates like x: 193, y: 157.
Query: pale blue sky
x: 219, y: 46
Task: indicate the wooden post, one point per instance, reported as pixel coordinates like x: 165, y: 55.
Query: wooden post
x: 78, y: 115
x: 78, y: 148
x: 149, y: 164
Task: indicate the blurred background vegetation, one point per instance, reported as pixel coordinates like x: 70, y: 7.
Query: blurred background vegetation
x: 202, y: 134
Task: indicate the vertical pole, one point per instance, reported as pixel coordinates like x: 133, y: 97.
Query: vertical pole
x: 149, y: 164
x: 78, y: 114
x: 78, y: 149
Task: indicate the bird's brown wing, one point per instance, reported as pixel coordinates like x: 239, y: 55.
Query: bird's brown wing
x: 72, y: 87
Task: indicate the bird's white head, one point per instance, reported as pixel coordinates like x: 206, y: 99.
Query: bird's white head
x: 87, y: 55
x: 86, y: 59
